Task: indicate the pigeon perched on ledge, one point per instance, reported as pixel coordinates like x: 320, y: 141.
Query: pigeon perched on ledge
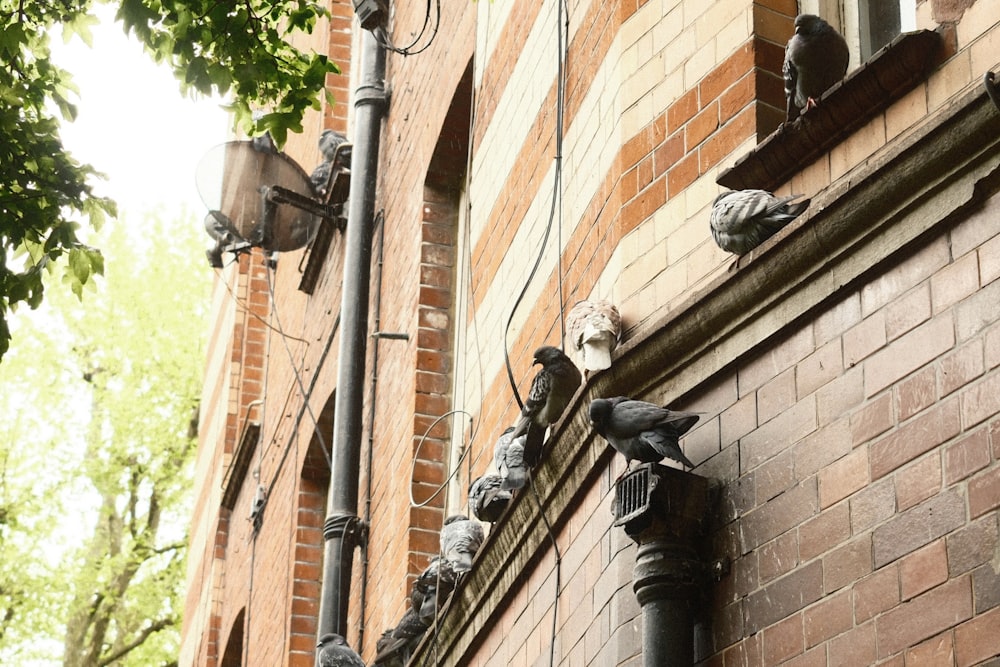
x: 487, y: 497
x: 815, y: 59
x: 432, y: 588
x: 508, y: 456
x: 461, y: 538
x: 594, y: 329
x: 743, y: 219
x: 550, y: 393
x: 642, y: 431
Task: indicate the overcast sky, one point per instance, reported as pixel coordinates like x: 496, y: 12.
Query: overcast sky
x: 134, y: 125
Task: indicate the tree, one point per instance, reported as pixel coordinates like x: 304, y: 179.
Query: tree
x: 109, y: 421
x: 241, y: 48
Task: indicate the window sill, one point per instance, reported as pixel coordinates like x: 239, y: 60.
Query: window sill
x: 866, y: 92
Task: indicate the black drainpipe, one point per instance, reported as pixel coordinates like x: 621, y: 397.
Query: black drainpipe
x: 663, y: 509
x: 342, y: 530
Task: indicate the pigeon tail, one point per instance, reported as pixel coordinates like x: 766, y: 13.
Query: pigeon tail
x: 516, y: 478
x: 596, y: 355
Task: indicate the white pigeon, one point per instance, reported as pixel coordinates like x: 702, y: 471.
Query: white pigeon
x: 594, y: 329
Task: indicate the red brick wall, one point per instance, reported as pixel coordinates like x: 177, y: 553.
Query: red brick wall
x: 861, y: 454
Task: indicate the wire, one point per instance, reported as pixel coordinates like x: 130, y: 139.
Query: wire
x: 295, y: 370
x: 556, y: 206
x: 416, y: 452
x: 385, y: 41
x: 558, y: 567
x: 246, y: 309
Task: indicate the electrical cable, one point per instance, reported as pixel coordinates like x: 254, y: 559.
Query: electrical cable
x: 416, y: 452
x: 385, y: 41
x: 556, y: 206
x: 295, y: 370
x: 246, y: 309
x: 558, y: 567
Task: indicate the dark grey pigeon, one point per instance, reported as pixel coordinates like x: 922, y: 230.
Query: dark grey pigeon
x: 329, y: 141
x: 642, y: 431
x: 320, y: 178
x: 743, y: 219
x: 333, y: 651
x: 508, y: 456
x: 487, y: 497
x: 402, y: 640
x: 815, y: 59
x: 432, y: 588
x: 461, y: 538
x: 550, y: 393
x: 388, y: 659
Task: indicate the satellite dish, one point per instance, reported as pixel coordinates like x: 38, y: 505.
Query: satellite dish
x: 262, y: 198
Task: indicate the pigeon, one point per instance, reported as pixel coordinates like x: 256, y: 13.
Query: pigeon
x: 743, y: 219
x: 508, y: 456
x: 329, y: 142
x: 333, y: 651
x: 388, y: 659
x: 487, y: 497
x: 595, y: 329
x: 550, y: 393
x: 461, y: 538
x: 815, y: 59
x: 432, y: 588
x: 641, y: 431
x: 336, y: 154
x: 320, y: 178
x: 402, y: 640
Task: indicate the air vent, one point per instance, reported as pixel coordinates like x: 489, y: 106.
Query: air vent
x: 633, y: 493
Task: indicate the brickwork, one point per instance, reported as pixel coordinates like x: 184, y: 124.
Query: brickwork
x: 857, y: 448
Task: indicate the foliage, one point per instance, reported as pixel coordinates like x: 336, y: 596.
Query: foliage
x: 107, y: 412
x: 243, y: 48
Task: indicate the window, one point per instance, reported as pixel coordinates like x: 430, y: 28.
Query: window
x: 867, y: 25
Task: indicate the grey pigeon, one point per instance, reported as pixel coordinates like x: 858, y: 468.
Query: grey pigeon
x: 487, y: 497
x: 432, y: 588
x: 389, y: 659
x: 320, y: 178
x: 815, y: 59
x: 461, y: 538
x: 550, y: 393
x: 336, y: 154
x: 402, y: 640
x: 594, y: 329
x: 333, y: 651
x: 508, y: 455
x: 641, y: 431
x: 743, y: 219
x: 329, y: 141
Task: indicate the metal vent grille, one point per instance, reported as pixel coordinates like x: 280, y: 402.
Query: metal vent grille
x: 632, y: 495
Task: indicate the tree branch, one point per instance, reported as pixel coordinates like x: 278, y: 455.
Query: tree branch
x: 138, y: 641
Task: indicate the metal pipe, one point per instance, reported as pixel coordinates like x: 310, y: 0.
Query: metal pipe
x: 663, y: 510
x: 342, y: 527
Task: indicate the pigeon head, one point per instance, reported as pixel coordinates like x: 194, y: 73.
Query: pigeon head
x: 455, y: 517
x: 810, y: 24
x: 600, y: 411
x: 331, y: 638
x: 547, y: 354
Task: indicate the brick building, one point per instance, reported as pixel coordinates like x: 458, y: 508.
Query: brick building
x: 846, y: 371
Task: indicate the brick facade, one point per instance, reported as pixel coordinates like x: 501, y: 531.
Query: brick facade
x: 846, y: 372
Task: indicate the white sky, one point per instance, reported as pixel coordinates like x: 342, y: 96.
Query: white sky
x: 134, y: 125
